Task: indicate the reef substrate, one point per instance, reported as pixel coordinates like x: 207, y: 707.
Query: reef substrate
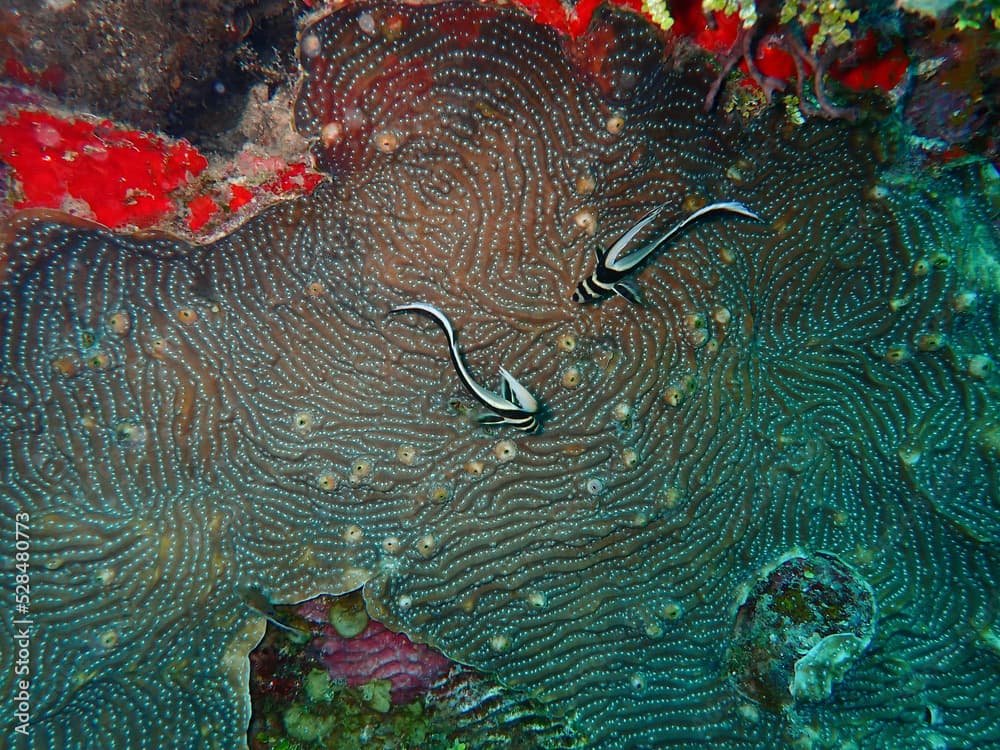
x: 182, y: 423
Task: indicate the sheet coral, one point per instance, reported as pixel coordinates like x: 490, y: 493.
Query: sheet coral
x: 183, y: 423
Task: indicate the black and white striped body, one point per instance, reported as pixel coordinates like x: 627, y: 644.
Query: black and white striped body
x: 516, y: 406
x: 603, y: 282
x: 609, y: 275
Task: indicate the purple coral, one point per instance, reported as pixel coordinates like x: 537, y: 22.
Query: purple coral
x: 379, y: 654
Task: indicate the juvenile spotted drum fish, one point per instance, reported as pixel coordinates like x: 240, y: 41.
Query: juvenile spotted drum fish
x: 514, y: 405
x: 613, y: 266
x: 258, y: 601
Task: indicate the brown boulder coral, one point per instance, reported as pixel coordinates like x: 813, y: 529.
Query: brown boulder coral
x: 261, y: 423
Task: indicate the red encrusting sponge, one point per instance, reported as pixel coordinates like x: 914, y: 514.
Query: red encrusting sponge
x: 95, y: 169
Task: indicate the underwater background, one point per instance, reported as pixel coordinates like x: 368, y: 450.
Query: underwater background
x: 246, y: 506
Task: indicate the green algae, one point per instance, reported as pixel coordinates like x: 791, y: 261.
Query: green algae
x: 348, y: 616
x: 329, y: 714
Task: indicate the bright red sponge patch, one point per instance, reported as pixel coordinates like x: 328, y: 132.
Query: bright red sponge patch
x: 94, y: 169
x: 873, y: 69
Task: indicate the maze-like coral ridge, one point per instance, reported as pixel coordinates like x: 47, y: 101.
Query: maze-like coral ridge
x: 182, y: 424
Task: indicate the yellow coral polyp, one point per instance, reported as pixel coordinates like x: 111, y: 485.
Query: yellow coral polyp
x: 745, y: 9
x: 99, y: 361
x: 833, y: 18
x: 658, y: 13
x: 119, y: 323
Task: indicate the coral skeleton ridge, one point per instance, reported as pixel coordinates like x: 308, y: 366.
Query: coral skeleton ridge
x: 183, y: 424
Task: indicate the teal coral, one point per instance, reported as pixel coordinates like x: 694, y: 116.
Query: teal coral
x: 608, y: 597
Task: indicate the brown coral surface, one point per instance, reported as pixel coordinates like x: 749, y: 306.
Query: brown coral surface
x: 183, y: 423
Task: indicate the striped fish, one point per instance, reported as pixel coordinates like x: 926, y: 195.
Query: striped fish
x: 514, y: 405
x: 256, y: 600
x: 612, y: 266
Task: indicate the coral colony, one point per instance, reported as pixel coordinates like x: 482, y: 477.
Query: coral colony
x: 762, y: 508
x: 343, y: 680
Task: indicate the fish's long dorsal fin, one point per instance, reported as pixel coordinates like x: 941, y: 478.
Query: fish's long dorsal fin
x: 615, y: 251
x: 488, y: 398
x: 439, y: 317
x: 625, y: 263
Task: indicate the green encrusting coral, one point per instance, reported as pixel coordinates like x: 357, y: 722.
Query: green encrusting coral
x: 298, y: 704
x: 832, y: 19
x: 335, y: 716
